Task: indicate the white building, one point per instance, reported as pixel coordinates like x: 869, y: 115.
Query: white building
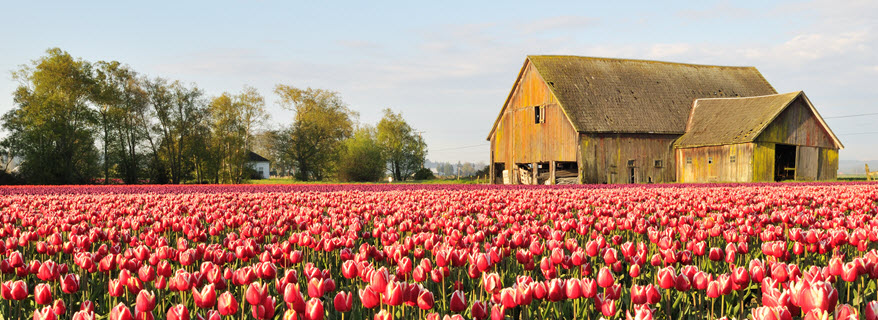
x: 260, y: 164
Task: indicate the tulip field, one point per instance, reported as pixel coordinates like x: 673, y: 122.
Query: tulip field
x: 757, y: 251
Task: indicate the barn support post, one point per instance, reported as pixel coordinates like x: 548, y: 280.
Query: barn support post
x: 552, y: 166
x: 535, y: 172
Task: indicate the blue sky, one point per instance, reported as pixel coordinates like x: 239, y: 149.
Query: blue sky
x: 447, y: 65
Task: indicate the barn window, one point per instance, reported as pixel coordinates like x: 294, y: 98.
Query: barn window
x: 709, y: 160
x: 539, y: 114
x: 658, y: 163
x: 630, y: 163
x: 688, y: 160
x: 732, y: 159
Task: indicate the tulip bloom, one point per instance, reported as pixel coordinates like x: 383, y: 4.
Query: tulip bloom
x: 42, y: 294
x: 145, y: 301
x: 667, y: 278
x: 178, y: 312
x: 458, y: 302
x: 313, y: 310
x: 425, y: 300
x: 771, y: 313
x: 871, y: 312
x: 121, y: 312
x: 343, y: 301
x: 369, y: 298
x: 70, y: 283
x: 256, y: 293
x: 47, y: 313
x: 605, y: 278
x: 479, y: 310
x: 227, y: 304
x: 205, y: 298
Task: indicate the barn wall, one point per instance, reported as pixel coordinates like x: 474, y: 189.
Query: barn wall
x: 806, y: 163
x: 827, y: 164
x: 517, y: 139
x: 797, y: 125
x: 763, y: 162
x: 730, y: 163
x: 604, y: 157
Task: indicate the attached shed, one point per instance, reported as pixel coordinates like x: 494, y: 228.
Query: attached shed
x: 765, y: 138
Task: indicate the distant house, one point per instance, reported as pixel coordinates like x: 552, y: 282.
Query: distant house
x: 260, y: 164
x: 570, y: 119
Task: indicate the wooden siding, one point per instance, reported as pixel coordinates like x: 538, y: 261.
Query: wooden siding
x: 604, y: 157
x: 806, y: 163
x: 763, y: 162
x: 517, y: 139
x: 797, y: 125
x: 827, y: 164
x: 693, y: 164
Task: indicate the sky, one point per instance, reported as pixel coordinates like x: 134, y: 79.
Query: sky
x: 448, y: 66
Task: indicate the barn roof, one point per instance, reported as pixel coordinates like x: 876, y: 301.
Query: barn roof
x: 722, y: 121
x: 638, y: 96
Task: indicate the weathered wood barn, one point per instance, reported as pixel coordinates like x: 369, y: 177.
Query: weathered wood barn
x: 571, y: 119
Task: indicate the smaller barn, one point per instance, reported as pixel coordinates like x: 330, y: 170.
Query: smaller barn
x: 259, y: 164
x: 756, y: 139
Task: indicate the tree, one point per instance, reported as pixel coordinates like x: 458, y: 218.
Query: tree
x: 234, y: 120
x: 404, y: 149
x: 322, y: 123
x: 121, y: 102
x: 361, y: 157
x: 178, y: 110
x: 52, y: 126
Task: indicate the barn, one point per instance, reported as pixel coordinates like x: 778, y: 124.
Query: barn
x: 571, y: 119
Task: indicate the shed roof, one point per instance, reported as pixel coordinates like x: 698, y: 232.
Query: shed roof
x: 722, y: 121
x: 639, y: 96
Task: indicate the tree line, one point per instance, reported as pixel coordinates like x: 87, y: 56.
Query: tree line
x: 78, y: 122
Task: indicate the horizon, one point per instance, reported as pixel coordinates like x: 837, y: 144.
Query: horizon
x: 448, y: 67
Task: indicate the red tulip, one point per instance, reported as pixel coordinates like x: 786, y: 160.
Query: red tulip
x: 574, y: 289
x: 652, y: 294
x: 425, y: 300
x: 349, y: 269
x: 771, y: 313
x: 589, y: 288
x: 871, y: 312
x: 316, y: 288
x: 817, y: 314
x: 70, y: 283
x: 83, y: 315
x: 256, y: 293
x: 369, y: 297
x: 47, y: 313
x: 849, y: 272
x: 479, y: 310
x: 393, y: 294
x: 59, y: 307
x: 313, y: 310
x: 14, y: 290
x: 121, y: 312
x: 343, y: 302
x: 605, y: 278
x: 641, y: 312
x: 205, y: 298
x: 846, y: 312
x: 178, y: 312
x: 379, y: 280
x: 227, y: 304
x: 458, y: 302
x: 145, y: 301
x: 556, y: 290
x: 42, y: 294
x: 667, y: 278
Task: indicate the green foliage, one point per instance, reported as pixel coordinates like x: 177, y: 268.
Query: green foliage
x: 52, y: 127
x: 361, y: 159
x: 322, y: 123
x: 424, y: 174
x: 404, y: 148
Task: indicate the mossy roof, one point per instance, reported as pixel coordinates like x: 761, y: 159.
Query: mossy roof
x: 639, y: 96
x: 722, y: 121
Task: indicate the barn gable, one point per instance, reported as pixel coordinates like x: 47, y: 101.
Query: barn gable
x: 774, y: 118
